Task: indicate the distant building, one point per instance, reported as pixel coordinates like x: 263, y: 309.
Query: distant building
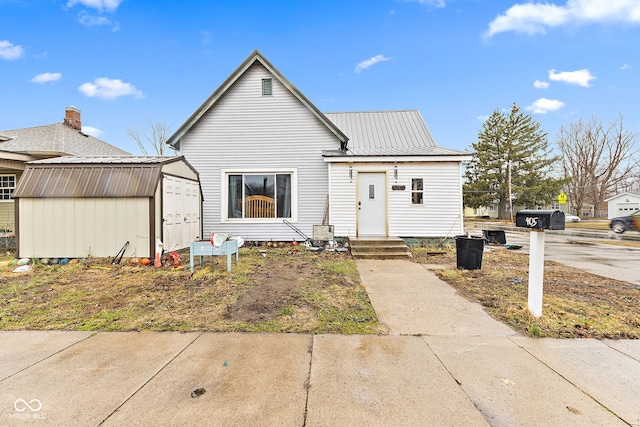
x: 19, y: 146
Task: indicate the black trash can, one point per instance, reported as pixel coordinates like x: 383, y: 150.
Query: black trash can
x: 496, y: 237
x: 469, y: 252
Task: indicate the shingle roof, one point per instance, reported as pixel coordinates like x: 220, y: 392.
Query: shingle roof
x: 387, y: 133
x: 57, y: 139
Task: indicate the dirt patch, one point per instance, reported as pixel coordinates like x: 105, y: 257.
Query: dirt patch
x: 275, y: 289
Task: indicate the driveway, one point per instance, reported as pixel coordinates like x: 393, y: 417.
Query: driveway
x: 616, y: 262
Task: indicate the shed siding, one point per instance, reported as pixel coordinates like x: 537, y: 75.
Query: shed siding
x: 246, y: 130
x: 76, y: 228
x: 180, y: 169
x: 440, y: 214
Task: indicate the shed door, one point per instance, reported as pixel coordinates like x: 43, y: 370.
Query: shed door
x: 372, y: 204
x: 181, y: 212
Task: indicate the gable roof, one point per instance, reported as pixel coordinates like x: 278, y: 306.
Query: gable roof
x: 256, y: 56
x: 387, y: 133
x: 56, y: 139
x: 621, y: 195
x: 93, y: 176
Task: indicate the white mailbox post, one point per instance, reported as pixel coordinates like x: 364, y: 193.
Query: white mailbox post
x: 537, y: 221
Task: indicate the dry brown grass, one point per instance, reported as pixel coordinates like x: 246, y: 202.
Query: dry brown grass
x: 575, y: 304
x: 274, y: 290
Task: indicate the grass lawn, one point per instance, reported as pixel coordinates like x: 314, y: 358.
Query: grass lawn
x: 575, y: 303
x: 270, y: 290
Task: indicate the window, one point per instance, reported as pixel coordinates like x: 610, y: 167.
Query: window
x: 267, y: 87
x: 417, y: 191
x: 7, y: 185
x: 259, y: 195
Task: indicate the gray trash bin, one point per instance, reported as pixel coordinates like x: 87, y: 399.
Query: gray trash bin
x: 469, y: 252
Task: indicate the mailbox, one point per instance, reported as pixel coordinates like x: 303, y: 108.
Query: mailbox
x: 540, y: 219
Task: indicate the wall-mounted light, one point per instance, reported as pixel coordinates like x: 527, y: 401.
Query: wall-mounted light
x: 395, y: 173
x: 350, y: 174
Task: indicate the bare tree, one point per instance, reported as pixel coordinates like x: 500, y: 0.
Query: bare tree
x: 156, y: 139
x: 597, y: 160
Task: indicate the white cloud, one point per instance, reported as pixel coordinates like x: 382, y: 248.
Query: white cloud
x: 9, y: 51
x: 540, y: 84
x: 579, y: 77
x: 95, y: 132
x: 433, y: 3
x: 544, y: 105
x: 106, y: 88
x: 108, y: 5
x: 535, y: 18
x: 46, y: 78
x: 626, y: 67
x: 92, y: 21
x: 369, y: 62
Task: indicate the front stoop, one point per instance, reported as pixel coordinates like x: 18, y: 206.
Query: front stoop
x: 378, y: 248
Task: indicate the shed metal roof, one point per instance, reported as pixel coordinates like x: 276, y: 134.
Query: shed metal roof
x: 113, y: 160
x: 92, y: 176
x: 387, y: 133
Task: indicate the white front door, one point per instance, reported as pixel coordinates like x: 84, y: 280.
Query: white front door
x: 372, y: 204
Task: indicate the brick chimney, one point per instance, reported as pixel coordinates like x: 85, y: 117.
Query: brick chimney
x: 72, y: 118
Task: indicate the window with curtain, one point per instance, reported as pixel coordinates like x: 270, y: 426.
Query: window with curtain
x: 259, y: 195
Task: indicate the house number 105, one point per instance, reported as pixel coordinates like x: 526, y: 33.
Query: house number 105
x: 531, y: 221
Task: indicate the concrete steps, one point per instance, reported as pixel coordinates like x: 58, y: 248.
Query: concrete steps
x: 378, y: 248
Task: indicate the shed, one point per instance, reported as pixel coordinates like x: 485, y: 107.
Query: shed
x: 623, y: 204
x: 74, y: 207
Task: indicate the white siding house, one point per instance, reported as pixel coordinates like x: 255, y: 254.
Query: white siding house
x: 266, y: 154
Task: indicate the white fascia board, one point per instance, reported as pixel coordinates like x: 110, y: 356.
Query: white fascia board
x: 396, y: 159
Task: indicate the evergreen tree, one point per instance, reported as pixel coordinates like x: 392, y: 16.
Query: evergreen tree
x: 511, y: 139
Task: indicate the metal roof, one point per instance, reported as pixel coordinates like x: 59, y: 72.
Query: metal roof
x: 56, y: 138
x: 114, y: 160
x: 93, y: 176
x: 387, y: 133
x: 255, y: 57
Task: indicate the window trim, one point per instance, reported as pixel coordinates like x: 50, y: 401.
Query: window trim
x: 15, y: 183
x: 267, y: 90
x: 224, y: 194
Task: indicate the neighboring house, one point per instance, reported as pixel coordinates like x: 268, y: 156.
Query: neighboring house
x: 623, y: 204
x: 490, y: 211
x: 19, y: 146
x: 266, y: 154
x: 75, y: 207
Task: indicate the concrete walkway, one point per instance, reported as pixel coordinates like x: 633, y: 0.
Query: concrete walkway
x: 444, y: 362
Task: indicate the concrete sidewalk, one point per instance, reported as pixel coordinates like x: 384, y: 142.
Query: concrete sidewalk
x: 445, y: 362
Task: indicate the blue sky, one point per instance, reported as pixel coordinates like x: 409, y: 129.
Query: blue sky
x: 125, y: 62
